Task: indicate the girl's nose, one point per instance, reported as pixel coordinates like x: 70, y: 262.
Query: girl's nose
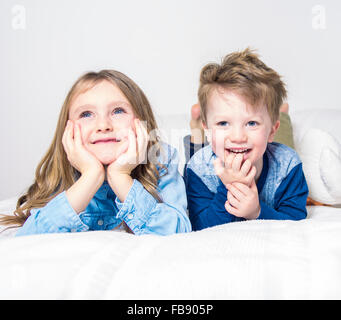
x: 104, y: 124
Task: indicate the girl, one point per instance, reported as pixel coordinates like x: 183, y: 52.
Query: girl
x: 100, y: 171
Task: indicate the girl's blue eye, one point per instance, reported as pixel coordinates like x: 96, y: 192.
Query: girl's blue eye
x: 85, y: 114
x: 118, y: 111
x: 222, y: 123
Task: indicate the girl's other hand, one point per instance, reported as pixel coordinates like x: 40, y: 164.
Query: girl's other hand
x: 131, y: 154
x: 79, y: 157
x: 119, y: 171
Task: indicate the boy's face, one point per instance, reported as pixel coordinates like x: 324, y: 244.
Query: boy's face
x: 233, y: 126
x: 104, y: 115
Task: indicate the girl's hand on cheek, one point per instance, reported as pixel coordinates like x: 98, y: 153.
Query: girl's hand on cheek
x: 79, y: 157
x: 131, y: 154
x: 118, y: 172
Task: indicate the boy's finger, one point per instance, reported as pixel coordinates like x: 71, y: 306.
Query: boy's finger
x: 218, y: 167
x: 233, y: 200
x: 236, y: 192
x: 251, y: 175
x: 237, y: 162
x: 241, y: 187
x: 254, y: 185
x: 246, y: 167
x: 228, y: 160
x: 230, y: 209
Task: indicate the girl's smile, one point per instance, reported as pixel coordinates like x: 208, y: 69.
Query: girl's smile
x: 104, y: 115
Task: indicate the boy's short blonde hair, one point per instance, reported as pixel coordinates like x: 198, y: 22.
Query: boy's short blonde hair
x: 244, y: 73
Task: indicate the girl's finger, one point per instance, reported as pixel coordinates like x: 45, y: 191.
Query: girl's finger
x: 140, y: 135
x: 68, y: 137
x: 142, y: 141
x: 132, y: 147
x: 123, y: 148
x: 78, y: 136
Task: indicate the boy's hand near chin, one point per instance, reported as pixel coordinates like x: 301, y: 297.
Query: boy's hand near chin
x: 242, y: 200
x: 234, y: 170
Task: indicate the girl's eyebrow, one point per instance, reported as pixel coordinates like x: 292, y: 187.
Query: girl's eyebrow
x: 124, y: 103
x: 84, y: 106
x: 90, y: 106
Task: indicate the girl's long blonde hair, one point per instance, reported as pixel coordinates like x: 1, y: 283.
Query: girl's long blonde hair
x: 55, y: 174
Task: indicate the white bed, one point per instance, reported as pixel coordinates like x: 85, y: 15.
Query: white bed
x: 242, y: 260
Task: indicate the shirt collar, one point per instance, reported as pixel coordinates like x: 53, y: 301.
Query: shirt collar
x: 104, y: 191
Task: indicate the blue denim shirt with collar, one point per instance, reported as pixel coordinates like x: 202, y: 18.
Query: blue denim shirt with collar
x: 140, y: 210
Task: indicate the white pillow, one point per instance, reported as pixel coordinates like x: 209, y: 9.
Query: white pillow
x: 320, y: 153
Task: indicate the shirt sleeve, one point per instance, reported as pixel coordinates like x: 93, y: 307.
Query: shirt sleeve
x: 206, y: 209
x: 145, y: 215
x: 56, y: 216
x: 290, y: 198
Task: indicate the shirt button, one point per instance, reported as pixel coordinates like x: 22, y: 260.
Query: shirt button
x: 100, y: 222
x: 130, y: 216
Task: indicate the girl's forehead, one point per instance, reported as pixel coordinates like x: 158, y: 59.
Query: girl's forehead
x: 97, y: 95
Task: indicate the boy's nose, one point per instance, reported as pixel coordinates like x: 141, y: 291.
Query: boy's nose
x: 237, y: 135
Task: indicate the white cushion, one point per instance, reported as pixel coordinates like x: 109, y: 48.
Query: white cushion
x: 320, y: 153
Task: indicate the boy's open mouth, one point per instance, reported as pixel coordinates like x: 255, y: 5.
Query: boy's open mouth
x: 235, y: 151
x: 238, y: 150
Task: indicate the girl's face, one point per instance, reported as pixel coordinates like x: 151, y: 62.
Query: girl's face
x: 104, y: 115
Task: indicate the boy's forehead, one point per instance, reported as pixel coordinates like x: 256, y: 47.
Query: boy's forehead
x: 227, y: 101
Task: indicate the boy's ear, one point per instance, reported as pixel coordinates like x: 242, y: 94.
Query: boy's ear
x: 208, y: 132
x: 273, y: 131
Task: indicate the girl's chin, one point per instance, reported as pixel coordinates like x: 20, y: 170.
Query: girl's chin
x: 106, y: 159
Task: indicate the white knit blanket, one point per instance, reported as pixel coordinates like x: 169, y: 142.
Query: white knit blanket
x: 241, y: 260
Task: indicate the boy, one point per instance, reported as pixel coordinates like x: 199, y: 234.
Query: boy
x: 242, y: 174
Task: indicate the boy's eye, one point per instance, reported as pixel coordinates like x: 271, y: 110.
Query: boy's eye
x: 85, y: 114
x: 118, y: 110
x: 222, y: 123
x: 252, y: 123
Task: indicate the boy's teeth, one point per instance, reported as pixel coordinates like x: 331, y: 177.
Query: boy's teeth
x: 238, y: 151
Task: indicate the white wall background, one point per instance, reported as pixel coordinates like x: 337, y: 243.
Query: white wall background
x: 162, y: 45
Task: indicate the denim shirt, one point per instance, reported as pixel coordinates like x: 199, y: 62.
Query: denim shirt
x: 140, y: 210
